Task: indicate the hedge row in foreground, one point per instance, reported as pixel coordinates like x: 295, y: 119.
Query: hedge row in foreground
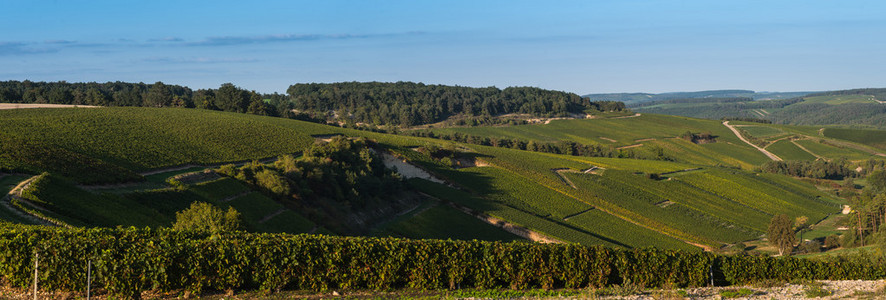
x: 127, y: 261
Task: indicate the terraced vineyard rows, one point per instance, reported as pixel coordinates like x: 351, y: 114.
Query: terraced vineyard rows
x: 833, y: 151
x: 615, y: 208
x: 875, y: 138
x: 656, y: 130
x: 651, y: 206
x: 789, y: 151
x: 765, y: 197
x: 153, y: 140
x: 444, y: 222
x: 519, y: 192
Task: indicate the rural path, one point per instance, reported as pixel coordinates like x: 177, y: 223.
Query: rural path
x: 16, y: 193
x: 631, y: 116
x: 807, y: 150
x: 564, y: 178
x: 630, y: 146
x: 738, y: 134
x: 517, y: 230
x: 507, y: 226
x: 776, y: 140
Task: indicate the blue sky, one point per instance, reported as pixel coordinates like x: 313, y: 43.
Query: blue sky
x: 576, y: 46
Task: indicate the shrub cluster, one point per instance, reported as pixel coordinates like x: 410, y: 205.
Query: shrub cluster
x: 128, y: 261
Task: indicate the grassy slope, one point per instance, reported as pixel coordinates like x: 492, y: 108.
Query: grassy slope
x: 444, y: 222
x: 631, y: 131
x: 78, y: 207
x: 840, y: 99
x: 874, y: 138
x: 789, y: 151
x: 7, y: 183
x: 139, y: 139
x: 520, y: 187
x: 155, y: 208
x: 830, y: 143
x: 763, y: 131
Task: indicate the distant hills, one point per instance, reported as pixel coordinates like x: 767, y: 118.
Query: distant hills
x: 863, y: 108
x: 634, y: 98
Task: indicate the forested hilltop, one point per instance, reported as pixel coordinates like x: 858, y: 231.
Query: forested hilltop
x: 408, y: 103
x: 369, y: 103
x: 226, y: 98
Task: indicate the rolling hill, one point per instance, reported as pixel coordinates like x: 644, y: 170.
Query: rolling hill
x: 863, y: 108
x: 691, y: 203
x: 639, y: 98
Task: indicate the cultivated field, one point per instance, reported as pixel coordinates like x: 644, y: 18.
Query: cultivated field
x: 616, y: 205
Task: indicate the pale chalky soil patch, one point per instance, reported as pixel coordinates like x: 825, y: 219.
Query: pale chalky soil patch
x: 840, y: 289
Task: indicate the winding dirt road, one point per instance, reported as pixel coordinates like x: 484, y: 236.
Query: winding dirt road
x: 738, y: 134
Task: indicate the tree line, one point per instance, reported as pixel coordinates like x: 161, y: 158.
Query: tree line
x: 868, y: 216
x: 408, y: 103
x: 560, y: 147
x: 837, y: 169
x: 376, y: 103
x: 227, y: 97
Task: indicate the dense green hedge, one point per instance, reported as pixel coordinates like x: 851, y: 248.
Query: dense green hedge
x: 128, y: 261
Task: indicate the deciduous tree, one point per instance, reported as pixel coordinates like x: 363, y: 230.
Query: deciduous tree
x: 780, y: 233
x: 202, y: 216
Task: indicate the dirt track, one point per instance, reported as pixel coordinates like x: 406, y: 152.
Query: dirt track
x: 35, y: 105
x: 738, y: 134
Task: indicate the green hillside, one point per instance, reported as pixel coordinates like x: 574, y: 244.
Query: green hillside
x: 615, y: 203
x: 641, y: 134
x: 638, y: 98
x: 874, y: 138
x: 648, y: 134
x: 857, y: 107
x: 114, y: 142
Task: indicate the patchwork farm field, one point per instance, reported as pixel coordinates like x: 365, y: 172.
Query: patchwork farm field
x: 873, y: 138
x: 787, y: 150
x: 136, y: 139
x: 694, y: 204
x: 840, y: 99
x: 763, y: 131
x: 638, y: 133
